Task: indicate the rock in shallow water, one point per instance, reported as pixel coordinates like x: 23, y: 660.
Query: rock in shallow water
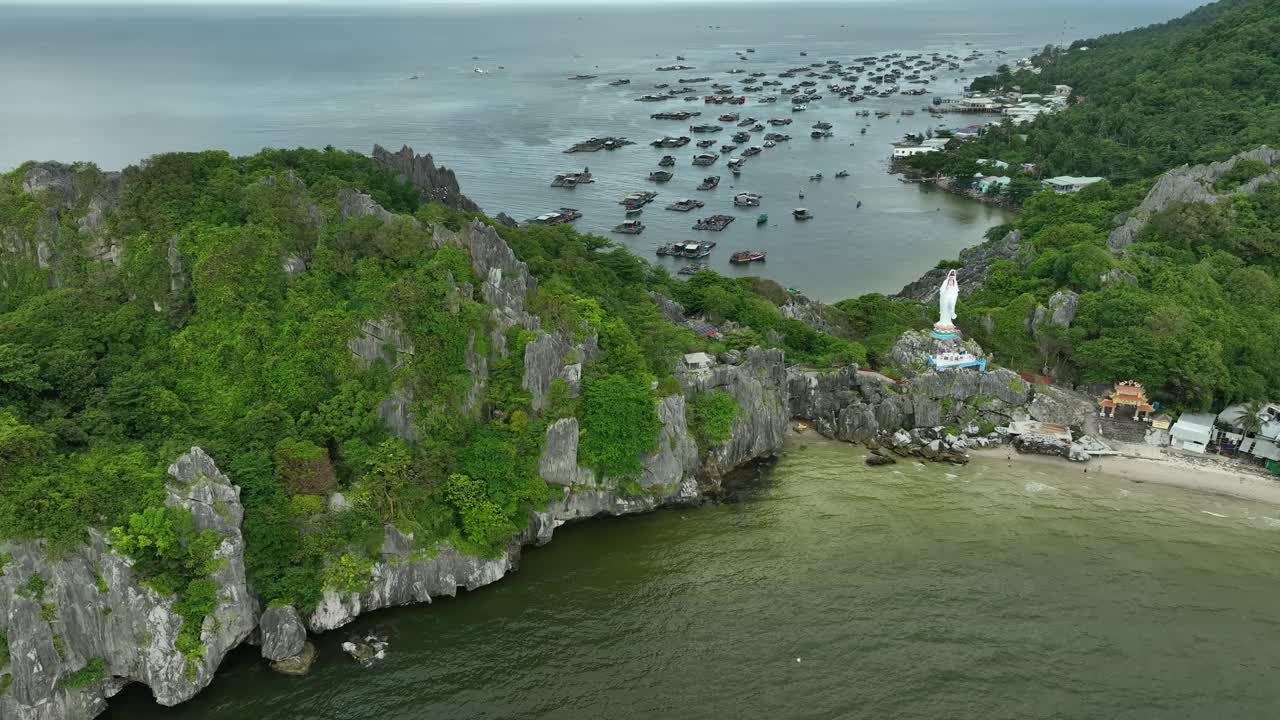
x: 876, y: 460
x: 299, y: 664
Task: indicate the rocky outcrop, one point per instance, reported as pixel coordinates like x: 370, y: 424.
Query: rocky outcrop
x: 283, y: 634
x: 1059, y: 406
x: 550, y: 357
x: 1191, y: 184
x: 674, y: 473
x: 433, y: 183
x: 975, y: 264
x: 355, y: 204
x: 1061, y: 312
x: 87, y: 609
x: 759, y: 385
x: 859, y: 406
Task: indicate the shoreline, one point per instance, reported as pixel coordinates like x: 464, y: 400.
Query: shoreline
x: 1167, y: 471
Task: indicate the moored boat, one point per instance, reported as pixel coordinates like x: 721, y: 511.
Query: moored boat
x: 629, y: 227
x: 710, y: 182
x: 762, y: 219
x: 802, y: 214
x: 667, y: 161
x: 746, y: 256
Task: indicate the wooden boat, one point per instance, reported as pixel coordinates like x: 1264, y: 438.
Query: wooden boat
x: 746, y: 256
x: 630, y: 227
x: 802, y: 214
x: 710, y: 182
x: 634, y: 213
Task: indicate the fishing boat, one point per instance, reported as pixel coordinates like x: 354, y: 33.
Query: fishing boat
x: 629, y: 227
x: 710, y: 182
x: 704, y: 144
x: 715, y: 222
x: 802, y: 214
x: 747, y: 199
x: 660, y: 176
x: 705, y: 159
x: 666, y: 161
x: 685, y: 205
x: 635, y: 212
x: 747, y: 256
x: 764, y: 218
x: 816, y: 177
x: 842, y: 174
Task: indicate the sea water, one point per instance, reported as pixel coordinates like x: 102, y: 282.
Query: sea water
x: 113, y: 85
x: 833, y: 590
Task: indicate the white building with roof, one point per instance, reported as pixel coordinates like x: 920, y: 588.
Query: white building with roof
x: 1193, y: 432
x: 698, y: 361
x: 1069, y: 183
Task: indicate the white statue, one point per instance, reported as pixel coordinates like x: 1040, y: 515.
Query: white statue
x: 947, y: 295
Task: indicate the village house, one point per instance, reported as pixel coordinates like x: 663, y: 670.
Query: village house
x: 993, y: 183
x: 1263, y: 443
x: 1069, y: 183
x: 698, y: 361
x: 997, y: 164
x: 1062, y: 90
x: 1192, y: 432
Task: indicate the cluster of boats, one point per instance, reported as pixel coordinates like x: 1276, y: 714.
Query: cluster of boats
x: 854, y: 80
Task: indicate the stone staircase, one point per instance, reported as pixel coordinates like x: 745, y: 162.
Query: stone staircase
x: 1123, y: 430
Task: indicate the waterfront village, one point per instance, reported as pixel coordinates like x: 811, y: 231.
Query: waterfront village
x: 1015, y: 108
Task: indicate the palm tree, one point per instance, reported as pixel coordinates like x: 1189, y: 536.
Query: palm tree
x: 1250, y: 422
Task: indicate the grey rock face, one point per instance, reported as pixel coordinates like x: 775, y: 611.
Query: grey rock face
x: 1190, y: 184
x: 506, y: 220
x: 912, y: 350
x: 859, y: 406
x: 559, y: 462
x: 977, y: 262
x: 1063, y: 306
x: 93, y: 606
x: 1052, y: 404
x: 283, y: 634
x: 299, y: 664
x: 551, y: 356
x: 353, y: 204
x: 435, y: 183
x: 1037, y: 444
x: 505, y: 280
x: 759, y: 386
x: 671, y: 310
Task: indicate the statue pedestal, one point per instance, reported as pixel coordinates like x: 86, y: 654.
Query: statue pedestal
x: 945, y: 332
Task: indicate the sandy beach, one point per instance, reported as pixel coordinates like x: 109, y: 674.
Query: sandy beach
x: 1200, y: 475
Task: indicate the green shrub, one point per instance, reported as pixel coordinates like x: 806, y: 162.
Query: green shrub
x: 304, y: 468
x: 306, y: 505
x: 619, y: 424
x: 91, y: 673
x: 349, y: 573
x: 711, y: 416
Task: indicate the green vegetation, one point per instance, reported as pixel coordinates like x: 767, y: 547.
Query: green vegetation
x: 91, y: 673
x: 1194, y: 90
x: 4, y: 647
x: 109, y: 374
x: 711, y: 416
x: 1188, y: 309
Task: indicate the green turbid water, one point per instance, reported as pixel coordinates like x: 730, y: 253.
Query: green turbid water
x: 834, y: 590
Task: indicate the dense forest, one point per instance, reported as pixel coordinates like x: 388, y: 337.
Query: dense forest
x: 1189, y: 308
x: 1194, y: 90
x: 199, y: 337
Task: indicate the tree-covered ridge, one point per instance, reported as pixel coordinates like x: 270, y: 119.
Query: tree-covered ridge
x: 215, y: 306
x: 1194, y: 90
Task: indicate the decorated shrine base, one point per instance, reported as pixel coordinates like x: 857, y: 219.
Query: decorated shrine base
x: 945, y: 332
